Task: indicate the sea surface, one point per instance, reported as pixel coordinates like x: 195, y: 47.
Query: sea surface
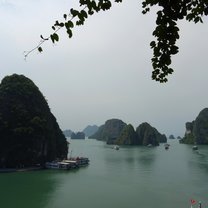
x: 131, y: 177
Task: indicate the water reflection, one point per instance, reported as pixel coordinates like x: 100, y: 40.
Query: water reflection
x: 28, y: 189
x: 199, y: 161
x: 130, y: 177
x: 148, y: 157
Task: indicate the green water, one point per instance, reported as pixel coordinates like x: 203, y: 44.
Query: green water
x: 131, y: 177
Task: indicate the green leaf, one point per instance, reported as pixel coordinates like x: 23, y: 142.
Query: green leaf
x: 61, y: 24
x: 69, y: 24
x: 40, y: 49
x: 74, y: 12
x: 56, y: 37
x: 65, y: 16
x: 52, y: 38
x: 152, y: 44
x: 69, y: 31
x: 84, y: 13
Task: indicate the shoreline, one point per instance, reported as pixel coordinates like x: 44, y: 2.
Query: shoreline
x: 12, y: 170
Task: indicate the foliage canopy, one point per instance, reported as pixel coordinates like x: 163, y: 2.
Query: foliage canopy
x: 29, y: 132
x: 166, y: 32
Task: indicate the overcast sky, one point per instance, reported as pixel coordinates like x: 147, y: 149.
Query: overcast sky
x: 104, y: 71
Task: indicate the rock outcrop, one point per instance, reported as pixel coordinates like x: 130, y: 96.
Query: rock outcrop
x: 128, y: 136
x: 110, y: 131
x: 115, y: 131
x: 29, y: 132
x: 171, y: 137
x: 197, y: 130
x: 78, y: 135
x: 90, y: 130
x: 149, y: 135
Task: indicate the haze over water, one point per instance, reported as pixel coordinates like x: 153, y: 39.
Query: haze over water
x: 131, y: 177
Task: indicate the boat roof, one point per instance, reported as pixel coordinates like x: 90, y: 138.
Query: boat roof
x: 70, y: 161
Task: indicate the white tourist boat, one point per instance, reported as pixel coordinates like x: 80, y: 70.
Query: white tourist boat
x: 195, y: 147
x: 57, y: 165
x: 80, y: 161
x: 116, y: 147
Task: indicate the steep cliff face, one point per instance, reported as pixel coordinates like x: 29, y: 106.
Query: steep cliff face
x: 149, y: 135
x: 115, y: 131
x: 128, y: 136
x: 98, y: 135
x: 29, y: 133
x: 189, y: 137
x: 197, y: 131
x: 110, y: 131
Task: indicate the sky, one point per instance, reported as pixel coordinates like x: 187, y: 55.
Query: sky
x: 104, y: 71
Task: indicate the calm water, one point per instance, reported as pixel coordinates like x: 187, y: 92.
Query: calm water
x: 131, y: 177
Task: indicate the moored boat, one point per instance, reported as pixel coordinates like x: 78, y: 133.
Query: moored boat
x: 72, y: 163
x: 81, y: 161
x: 195, y: 147
x: 116, y: 147
x: 59, y: 165
x: 166, y: 146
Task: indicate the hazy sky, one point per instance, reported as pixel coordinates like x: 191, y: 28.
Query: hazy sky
x: 104, y: 71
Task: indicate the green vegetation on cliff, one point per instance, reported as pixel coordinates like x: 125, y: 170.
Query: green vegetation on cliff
x: 115, y: 131
x: 149, y: 135
x: 110, y: 131
x: 29, y: 133
x: 128, y: 136
x: 197, y: 131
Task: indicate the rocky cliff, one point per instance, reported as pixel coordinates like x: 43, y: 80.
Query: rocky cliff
x: 128, y: 136
x: 115, y: 131
x: 29, y: 133
x: 149, y: 135
x: 110, y: 131
x: 90, y: 130
x: 197, y: 130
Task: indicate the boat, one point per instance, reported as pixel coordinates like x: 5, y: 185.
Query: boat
x: 72, y: 164
x: 195, y: 147
x: 59, y: 165
x: 149, y: 145
x: 167, y: 146
x: 116, y: 147
x: 80, y: 161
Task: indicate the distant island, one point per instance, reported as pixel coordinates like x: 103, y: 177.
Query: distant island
x: 78, y: 135
x: 67, y: 132
x: 115, y: 131
x: 197, y: 130
x: 29, y: 132
x: 171, y: 137
x: 88, y: 131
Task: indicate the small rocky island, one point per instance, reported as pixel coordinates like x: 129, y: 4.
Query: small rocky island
x: 29, y: 132
x: 90, y: 130
x: 115, y: 131
x: 197, y: 130
x: 78, y: 135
